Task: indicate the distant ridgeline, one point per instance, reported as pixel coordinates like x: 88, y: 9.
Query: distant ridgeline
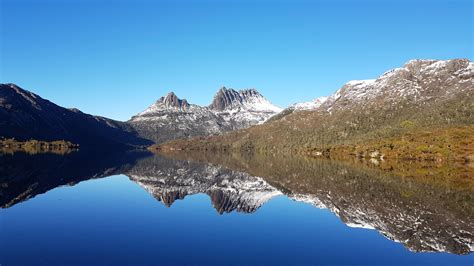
x: 25, y: 116
x: 35, y: 146
x: 423, y: 110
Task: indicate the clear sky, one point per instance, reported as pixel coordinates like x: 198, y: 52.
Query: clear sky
x: 116, y: 58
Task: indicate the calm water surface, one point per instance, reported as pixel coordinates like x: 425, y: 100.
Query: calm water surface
x: 141, y: 209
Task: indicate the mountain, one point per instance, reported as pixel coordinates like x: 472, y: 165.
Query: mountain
x: 173, y: 118
x: 417, y: 82
x: 170, y: 118
x: 242, y: 108
x: 25, y: 115
x: 421, y: 95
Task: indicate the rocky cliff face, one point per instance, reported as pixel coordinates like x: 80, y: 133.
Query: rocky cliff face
x: 226, y: 99
x: 168, y: 102
x: 173, y: 118
x: 244, y: 108
x: 171, y: 100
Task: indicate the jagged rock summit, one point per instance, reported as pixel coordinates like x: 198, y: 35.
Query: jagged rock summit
x: 172, y: 101
x: 169, y: 103
x: 242, y: 108
x: 226, y: 99
x: 171, y: 117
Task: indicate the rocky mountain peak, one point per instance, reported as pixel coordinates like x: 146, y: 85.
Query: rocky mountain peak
x: 250, y: 93
x: 172, y: 101
x: 229, y: 98
x: 225, y: 98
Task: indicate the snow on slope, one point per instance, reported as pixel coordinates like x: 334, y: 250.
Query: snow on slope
x: 310, y: 105
x: 417, y: 80
x: 243, y: 108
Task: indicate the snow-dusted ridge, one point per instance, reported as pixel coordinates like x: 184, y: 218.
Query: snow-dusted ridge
x: 414, y: 81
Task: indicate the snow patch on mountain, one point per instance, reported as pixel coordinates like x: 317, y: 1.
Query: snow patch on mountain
x: 309, y: 105
x: 242, y: 108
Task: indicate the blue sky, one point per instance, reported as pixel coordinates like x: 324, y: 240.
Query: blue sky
x: 116, y: 58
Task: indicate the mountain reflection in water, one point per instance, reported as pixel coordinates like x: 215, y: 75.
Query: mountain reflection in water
x: 426, y: 208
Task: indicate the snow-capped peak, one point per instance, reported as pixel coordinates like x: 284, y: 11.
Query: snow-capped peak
x: 242, y: 108
x: 170, y: 102
x: 247, y: 99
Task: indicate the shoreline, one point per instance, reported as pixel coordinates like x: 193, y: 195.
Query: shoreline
x: 11, y: 146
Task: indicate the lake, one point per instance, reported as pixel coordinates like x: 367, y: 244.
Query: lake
x: 136, y: 208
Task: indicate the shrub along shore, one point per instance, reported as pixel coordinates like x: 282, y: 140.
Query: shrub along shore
x: 11, y: 146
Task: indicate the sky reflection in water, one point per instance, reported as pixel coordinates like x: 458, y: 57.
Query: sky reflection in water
x: 115, y: 221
